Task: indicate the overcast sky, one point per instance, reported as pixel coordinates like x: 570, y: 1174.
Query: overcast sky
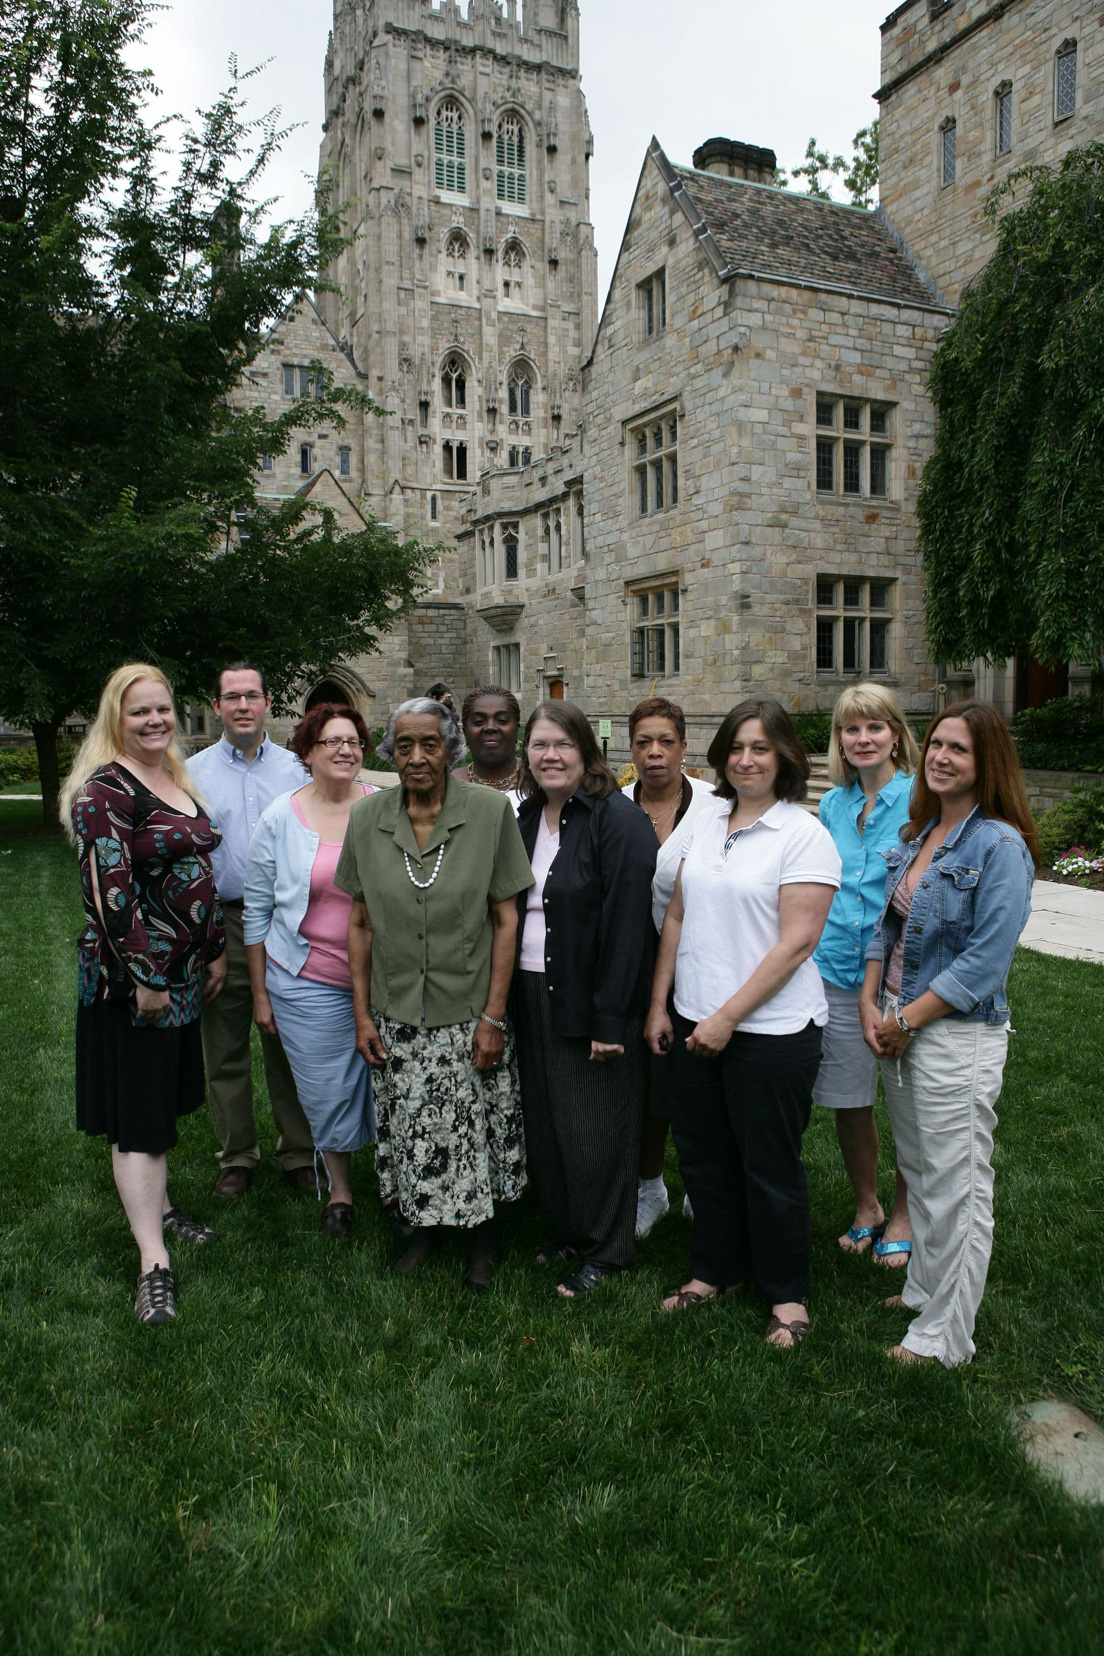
x: 758, y: 70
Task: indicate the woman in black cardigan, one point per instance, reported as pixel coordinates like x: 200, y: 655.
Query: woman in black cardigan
x: 586, y: 943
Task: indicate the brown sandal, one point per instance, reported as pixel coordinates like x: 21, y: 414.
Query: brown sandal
x: 797, y: 1330
x: 685, y: 1298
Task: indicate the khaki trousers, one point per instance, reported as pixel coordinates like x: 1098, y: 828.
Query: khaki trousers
x: 227, y: 1025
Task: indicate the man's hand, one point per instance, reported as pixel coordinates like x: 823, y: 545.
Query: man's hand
x: 214, y: 976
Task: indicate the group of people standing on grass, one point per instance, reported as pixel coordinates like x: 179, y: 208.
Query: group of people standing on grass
x: 509, y: 968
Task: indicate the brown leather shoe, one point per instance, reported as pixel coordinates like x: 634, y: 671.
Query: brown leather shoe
x: 302, y: 1178
x: 234, y: 1181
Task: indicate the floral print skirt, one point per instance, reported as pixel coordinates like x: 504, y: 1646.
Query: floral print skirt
x: 449, y: 1137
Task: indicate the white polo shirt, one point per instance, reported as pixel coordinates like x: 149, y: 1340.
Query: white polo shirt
x: 731, y: 912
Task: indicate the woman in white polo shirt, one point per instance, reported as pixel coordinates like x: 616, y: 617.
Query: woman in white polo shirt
x: 756, y: 881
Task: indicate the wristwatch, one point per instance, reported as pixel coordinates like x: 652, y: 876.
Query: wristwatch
x: 901, y: 1024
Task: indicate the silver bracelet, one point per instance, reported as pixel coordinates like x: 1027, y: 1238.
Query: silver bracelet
x: 486, y: 1016
x: 901, y: 1024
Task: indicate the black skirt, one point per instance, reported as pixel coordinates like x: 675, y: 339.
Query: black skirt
x: 134, y: 1084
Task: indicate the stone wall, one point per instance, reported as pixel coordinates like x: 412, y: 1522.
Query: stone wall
x: 1047, y: 788
x: 946, y: 64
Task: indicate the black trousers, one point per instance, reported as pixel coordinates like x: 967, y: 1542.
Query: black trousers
x: 737, y: 1123
x: 582, y: 1129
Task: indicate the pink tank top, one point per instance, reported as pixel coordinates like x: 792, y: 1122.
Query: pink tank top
x: 325, y: 926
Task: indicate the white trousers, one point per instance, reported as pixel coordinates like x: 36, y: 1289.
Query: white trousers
x: 942, y: 1104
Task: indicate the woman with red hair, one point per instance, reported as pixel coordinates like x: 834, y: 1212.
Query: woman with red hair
x: 296, y: 927
x: 934, y: 1008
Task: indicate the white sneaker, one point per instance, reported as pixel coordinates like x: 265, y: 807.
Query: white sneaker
x: 687, y: 1210
x: 651, y: 1205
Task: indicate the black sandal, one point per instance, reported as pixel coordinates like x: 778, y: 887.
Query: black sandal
x: 583, y: 1281
x: 553, y: 1252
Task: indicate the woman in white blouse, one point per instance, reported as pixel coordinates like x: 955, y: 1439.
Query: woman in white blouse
x: 756, y: 881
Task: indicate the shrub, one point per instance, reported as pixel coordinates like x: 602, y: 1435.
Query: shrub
x: 814, y: 729
x: 18, y: 765
x: 1078, y: 820
x: 1066, y: 734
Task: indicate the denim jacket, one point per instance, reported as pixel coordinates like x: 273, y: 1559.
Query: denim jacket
x: 967, y: 913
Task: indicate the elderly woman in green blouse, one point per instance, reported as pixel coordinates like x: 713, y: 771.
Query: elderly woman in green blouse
x: 434, y: 868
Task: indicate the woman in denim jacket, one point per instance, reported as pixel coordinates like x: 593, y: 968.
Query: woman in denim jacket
x: 934, y: 1009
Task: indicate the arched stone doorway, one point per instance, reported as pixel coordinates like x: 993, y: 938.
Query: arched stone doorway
x: 343, y: 684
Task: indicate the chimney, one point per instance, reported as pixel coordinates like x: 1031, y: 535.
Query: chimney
x: 728, y: 158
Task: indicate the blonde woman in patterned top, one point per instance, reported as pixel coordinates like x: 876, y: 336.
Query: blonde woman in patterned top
x: 151, y: 951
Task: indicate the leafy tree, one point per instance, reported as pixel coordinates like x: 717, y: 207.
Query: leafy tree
x: 1012, y: 499
x: 130, y: 523
x: 816, y: 162
x: 860, y: 179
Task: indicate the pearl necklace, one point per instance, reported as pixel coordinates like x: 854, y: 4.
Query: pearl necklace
x: 424, y: 885
x: 499, y: 787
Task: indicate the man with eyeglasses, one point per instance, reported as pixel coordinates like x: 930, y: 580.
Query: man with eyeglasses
x: 239, y: 776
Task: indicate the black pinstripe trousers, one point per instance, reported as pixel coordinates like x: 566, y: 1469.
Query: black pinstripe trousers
x: 582, y: 1129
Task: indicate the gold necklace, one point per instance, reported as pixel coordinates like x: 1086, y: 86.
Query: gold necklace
x: 486, y: 782
x: 663, y: 815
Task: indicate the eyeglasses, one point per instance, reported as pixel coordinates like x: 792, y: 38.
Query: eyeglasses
x: 233, y: 697
x: 562, y: 748
x: 340, y: 742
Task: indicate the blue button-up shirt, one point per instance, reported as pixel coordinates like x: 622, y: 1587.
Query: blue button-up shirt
x: 841, y: 952
x: 237, y: 793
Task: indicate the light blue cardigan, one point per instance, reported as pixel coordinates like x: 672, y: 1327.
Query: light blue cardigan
x: 277, y: 884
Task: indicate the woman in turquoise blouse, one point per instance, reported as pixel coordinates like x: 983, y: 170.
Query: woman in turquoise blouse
x: 872, y: 757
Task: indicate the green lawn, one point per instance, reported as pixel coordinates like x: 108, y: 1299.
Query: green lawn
x: 321, y: 1458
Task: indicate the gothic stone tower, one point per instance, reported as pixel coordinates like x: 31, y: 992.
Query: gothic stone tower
x: 460, y: 146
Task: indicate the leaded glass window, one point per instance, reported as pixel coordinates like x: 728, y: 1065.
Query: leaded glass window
x: 510, y: 159
x: 450, y: 166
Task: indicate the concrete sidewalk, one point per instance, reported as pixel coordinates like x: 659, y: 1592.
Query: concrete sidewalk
x: 1065, y: 920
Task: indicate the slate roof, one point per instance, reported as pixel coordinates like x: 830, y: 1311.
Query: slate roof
x: 779, y: 236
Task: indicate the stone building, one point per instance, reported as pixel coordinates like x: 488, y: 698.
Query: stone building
x: 755, y: 421
x: 459, y: 146
x: 972, y: 91
x: 723, y: 498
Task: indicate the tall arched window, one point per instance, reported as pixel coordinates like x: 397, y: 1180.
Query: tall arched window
x: 510, y: 159
x: 454, y: 384
x: 519, y: 391
x: 513, y: 273
x: 450, y: 163
x: 456, y: 263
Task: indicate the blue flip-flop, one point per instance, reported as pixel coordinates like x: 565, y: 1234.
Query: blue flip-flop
x: 857, y: 1234
x: 882, y: 1249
